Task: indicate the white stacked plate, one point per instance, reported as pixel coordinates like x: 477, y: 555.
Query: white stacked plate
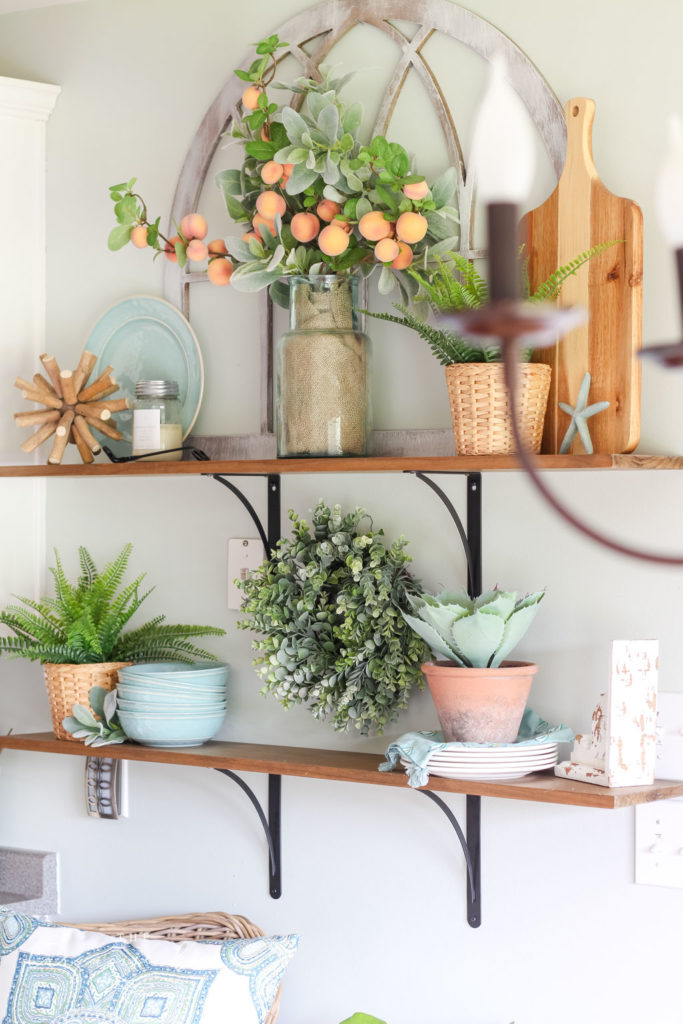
x: 490, y: 763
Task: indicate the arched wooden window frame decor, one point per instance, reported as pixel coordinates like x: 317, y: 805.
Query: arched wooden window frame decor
x: 319, y: 28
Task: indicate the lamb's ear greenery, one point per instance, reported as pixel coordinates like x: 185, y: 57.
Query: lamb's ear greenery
x: 84, y: 622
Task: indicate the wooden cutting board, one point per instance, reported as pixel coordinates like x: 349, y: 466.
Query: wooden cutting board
x: 580, y: 213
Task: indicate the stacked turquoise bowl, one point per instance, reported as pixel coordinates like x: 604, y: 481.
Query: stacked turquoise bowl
x: 170, y: 704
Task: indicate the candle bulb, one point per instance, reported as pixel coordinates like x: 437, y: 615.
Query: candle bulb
x: 502, y: 162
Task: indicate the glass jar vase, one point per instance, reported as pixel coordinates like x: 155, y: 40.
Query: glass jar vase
x: 322, y: 371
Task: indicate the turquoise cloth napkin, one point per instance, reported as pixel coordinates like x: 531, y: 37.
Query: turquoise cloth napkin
x: 418, y: 747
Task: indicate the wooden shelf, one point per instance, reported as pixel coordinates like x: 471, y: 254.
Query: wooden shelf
x: 372, y: 464
x: 348, y: 766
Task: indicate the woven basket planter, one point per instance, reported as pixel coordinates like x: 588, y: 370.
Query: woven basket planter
x: 481, y: 411
x: 70, y: 684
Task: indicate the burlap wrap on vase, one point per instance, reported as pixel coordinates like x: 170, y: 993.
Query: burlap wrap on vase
x: 322, y: 372
x: 481, y: 412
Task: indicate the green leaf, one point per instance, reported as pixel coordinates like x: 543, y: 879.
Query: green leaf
x: 236, y: 209
x: 260, y: 150
x: 300, y: 178
x: 83, y: 715
x: 328, y: 122
x: 387, y: 197
x: 119, y: 236
x: 444, y: 187
x: 244, y: 75
x: 126, y: 210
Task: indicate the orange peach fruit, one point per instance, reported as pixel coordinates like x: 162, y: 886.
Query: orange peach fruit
x: 169, y: 250
x: 220, y: 271
x: 250, y: 96
x: 193, y: 226
x: 386, y: 250
x: 249, y: 235
x: 373, y: 226
x: 304, y: 226
x: 271, y: 172
x: 138, y: 236
x: 218, y: 247
x: 197, y: 250
x: 333, y: 240
x: 411, y: 227
x: 404, y: 258
x: 327, y: 209
x: 269, y: 203
x: 416, y: 190
x: 286, y: 171
x: 259, y: 222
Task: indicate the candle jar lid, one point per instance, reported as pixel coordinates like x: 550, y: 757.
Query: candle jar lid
x: 156, y: 389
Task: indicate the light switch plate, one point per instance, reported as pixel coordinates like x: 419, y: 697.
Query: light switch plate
x: 659, y: 825
x: 244, y: 555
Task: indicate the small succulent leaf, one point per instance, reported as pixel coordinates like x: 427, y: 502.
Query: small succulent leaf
x: 432, y: 637
x: 444, y: 187
x: 458, y: 597
x: 328, y: 122
x: 294, y: 123
x: 84, y: 715
x: 299, y: 180
x: 478, y: 636
x: 440, y: 616
x: 515, y: 628
x: 351, y: 118
x: 108, y: 706
x: 96, y: 696
x: 386, y: 282
x: 497, y: 602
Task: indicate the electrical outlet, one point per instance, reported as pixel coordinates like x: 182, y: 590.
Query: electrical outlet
x: 244, y: 555
x: 659, y: 825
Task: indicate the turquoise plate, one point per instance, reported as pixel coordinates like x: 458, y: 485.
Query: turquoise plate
x: 146, y: 338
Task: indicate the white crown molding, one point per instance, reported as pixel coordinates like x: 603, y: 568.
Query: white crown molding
x: 32, y: 101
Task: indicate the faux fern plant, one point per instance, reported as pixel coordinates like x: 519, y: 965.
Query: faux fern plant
x: 455, y: 283
x: 84, y: 622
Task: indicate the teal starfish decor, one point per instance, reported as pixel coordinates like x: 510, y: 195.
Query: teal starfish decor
x: 579, y: 414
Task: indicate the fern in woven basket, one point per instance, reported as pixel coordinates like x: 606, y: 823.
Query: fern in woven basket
x: 455, y: 283
x: 84, y: 622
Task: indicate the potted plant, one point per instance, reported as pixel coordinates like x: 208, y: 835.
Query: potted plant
x: 474, y: 375
x: 79, y: 637
x: 328, y: 606
x: 315, y: 205
x: 479, y: 695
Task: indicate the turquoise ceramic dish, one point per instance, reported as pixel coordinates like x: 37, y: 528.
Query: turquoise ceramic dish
x: 135, y: 686
x: 165, y: 707
x: 177, y: 671
x: 182, y: 731
x: 146, y: 338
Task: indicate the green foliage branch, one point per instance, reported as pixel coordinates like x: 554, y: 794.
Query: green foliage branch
x: 84, y: 622
x: 453, y: 282
x: 329, y: 606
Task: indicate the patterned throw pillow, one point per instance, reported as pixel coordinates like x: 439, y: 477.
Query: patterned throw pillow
x: 50, y: 974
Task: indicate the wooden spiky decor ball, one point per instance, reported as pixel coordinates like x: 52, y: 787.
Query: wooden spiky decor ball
x: 72, y: 408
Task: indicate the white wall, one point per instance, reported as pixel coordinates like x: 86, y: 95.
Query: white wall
x: 372, y: 879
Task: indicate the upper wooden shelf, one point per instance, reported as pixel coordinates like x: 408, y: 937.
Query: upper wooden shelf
x: 348, y: 766
x: 372, y: 464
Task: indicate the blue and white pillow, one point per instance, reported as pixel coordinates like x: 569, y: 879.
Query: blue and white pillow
x: 51, y: 974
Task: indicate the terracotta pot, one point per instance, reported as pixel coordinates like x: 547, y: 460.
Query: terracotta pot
x: 480, y: 705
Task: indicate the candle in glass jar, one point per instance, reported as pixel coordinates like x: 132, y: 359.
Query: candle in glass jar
x: 156, y: 420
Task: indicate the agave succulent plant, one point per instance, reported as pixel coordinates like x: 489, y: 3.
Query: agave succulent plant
x: 474, y: 632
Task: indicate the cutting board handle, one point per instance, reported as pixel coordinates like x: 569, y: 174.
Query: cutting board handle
x: 579, y: 114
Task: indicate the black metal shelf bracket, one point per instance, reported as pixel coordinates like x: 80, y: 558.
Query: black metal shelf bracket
x: 471, y: 847
x: 470, y: 536
x: 272, y: 824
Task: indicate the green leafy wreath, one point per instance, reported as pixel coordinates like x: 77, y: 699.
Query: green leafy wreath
x: 329, y: 606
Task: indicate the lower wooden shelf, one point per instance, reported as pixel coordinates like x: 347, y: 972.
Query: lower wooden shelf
x: 349, y: 766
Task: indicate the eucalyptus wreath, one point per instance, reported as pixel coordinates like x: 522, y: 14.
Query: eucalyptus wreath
x: 328, y: 604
